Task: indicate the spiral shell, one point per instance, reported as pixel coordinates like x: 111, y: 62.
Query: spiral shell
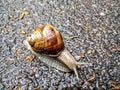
x: 47, y: 40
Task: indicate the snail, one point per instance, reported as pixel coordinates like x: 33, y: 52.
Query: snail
x: 47, y: 43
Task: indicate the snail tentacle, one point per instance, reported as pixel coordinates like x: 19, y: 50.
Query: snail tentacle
x: 76, y: 73
x: 78, y: 64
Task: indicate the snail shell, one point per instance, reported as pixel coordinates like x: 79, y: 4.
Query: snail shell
x: 46, y: 42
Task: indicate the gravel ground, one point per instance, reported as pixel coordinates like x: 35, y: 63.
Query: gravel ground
x: 91, y: 32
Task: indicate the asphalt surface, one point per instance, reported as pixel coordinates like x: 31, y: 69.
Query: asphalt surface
x: 91, y: 31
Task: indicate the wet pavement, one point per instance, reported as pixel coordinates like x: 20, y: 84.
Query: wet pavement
x: 91, y: 32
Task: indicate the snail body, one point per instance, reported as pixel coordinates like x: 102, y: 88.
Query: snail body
x: 46, y: 42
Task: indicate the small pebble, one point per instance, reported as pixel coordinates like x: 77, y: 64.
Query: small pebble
x: 115, y: 86
x: 18, y: 52
x: 89, y: 51
x: 38, y: 88
x: 37, y: 75
x: 51, y: 71
x: 11, y: 16
x: 102, y: 14
x: 77, y: 57
x: 26, y: 13
x: 92, y: 79
x: 23, y: 14
x: 30, y: 58
x: 68, y: 74
x: 22, y: 32
x: 82, y: 56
